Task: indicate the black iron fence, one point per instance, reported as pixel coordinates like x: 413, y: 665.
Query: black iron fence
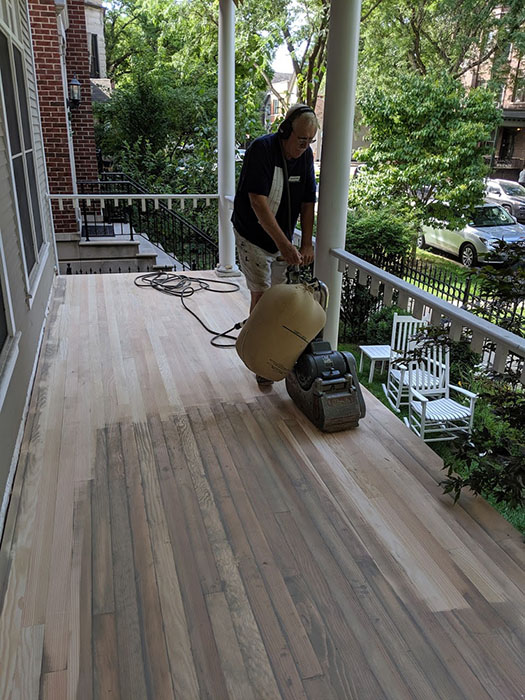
x: 190, y: 246
x: 457, y: 287
x: 107, y: 269
x: 358, y: 304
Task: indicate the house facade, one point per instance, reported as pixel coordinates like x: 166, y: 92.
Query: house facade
x: 28, y: 260
x: 510, y: 140
x: 508, y: 146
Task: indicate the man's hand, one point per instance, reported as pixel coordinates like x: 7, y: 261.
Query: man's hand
x: 307, y: 254
x: 291, y: 255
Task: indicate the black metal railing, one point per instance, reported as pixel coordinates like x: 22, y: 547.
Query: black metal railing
x: 109, y: 269
x: 191, y: 247
x: 458, y: 288
x: 363, y: 293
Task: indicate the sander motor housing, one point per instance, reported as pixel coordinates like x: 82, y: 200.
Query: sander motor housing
x: 325, y: 387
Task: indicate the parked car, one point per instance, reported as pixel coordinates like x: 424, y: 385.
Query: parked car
x: 355, y: 169
x: 510, y: 194
x: 471, y: 244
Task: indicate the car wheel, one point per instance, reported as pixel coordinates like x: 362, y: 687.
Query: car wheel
x: 468, y: 255
x: 507, y: 208
x: 421, y: 243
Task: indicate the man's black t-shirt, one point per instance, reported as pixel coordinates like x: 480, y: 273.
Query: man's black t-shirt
x: 262, y: 173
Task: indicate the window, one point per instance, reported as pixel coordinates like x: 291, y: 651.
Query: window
x: 94, y: 63
x: 491, y: 216
x: 13, y: 86
x: 519, y: 88
x: 3, y: 321
x: 9, y: 14
x: 506, y: 150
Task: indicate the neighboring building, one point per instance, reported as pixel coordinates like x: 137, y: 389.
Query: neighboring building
x: 284, y: 89
x: 27, y: 253
x: 100, y: 83
x: 285, y: 85
x: 509, y: 140
x: 94, y: 11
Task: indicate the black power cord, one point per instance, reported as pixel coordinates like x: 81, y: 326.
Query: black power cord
x: 182, y: 286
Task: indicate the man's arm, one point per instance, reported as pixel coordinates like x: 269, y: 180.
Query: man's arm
x: 307, y: 227
x: 269, y: 223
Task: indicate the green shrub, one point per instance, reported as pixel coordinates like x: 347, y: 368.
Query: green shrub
x: 369, y: 232
x: 357, y: 307
x: 463, y: 362
x: 379, y: 328
x: 492, y: 461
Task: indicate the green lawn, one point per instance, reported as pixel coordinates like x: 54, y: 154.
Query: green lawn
x: 516, y: 516
x: 449, y: 267
x: 448, y: 264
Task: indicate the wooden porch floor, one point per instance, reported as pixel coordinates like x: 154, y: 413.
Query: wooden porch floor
x: 177, y: 532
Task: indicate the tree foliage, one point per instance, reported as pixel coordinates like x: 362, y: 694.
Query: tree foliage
x: 162, y: 118
x: 492, y: 461
x: 453, y: 36
x: 426, y: 143
x: 302, y: 26
x: 370, y: 232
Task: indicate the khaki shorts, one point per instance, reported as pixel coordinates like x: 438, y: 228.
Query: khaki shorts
x: 261, y: 269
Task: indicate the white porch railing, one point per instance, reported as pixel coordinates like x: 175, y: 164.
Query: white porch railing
x: 157, y: 199
x: 158, y: 218
x: 421, y: 303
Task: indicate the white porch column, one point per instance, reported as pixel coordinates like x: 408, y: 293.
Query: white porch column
x: 226, y: 137
x: 341, y: 71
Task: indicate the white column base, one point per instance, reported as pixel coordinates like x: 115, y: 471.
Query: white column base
x: 227, y: 271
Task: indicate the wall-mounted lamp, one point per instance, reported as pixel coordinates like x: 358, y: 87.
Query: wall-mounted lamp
x: 74, y: 93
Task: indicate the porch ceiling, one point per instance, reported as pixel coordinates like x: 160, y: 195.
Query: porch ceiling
x: 175, y: 531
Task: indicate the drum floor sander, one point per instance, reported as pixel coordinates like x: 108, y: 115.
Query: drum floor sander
x: 282, y: 340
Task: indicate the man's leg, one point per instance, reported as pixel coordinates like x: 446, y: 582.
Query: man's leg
x: 255, y: 296
x: 255, y: 264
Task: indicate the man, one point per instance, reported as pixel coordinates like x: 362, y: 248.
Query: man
x: 276, y: 187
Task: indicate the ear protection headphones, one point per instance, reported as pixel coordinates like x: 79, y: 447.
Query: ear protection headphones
x: 285, y: 129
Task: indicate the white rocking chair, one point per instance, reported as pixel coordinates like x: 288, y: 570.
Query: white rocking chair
x: 404, y: 330
x: 432, y: 414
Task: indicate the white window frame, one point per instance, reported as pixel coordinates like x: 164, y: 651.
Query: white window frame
x: 9, y: 352
x: 11, y: 21
x: 32, y: 278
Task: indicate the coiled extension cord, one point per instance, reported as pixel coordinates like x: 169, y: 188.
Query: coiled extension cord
x: 182, y: 287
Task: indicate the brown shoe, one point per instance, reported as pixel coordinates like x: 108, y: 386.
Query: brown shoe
x: 262, y: 381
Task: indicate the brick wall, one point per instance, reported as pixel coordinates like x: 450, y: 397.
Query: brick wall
x: 51, y: 98
x: 77, y: 61
x: 52, y: 109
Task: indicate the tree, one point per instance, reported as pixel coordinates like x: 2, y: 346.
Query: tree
x: 162, y: 119
x: 302, y: 26
x: 426, y: 143
x: 451, y: 36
